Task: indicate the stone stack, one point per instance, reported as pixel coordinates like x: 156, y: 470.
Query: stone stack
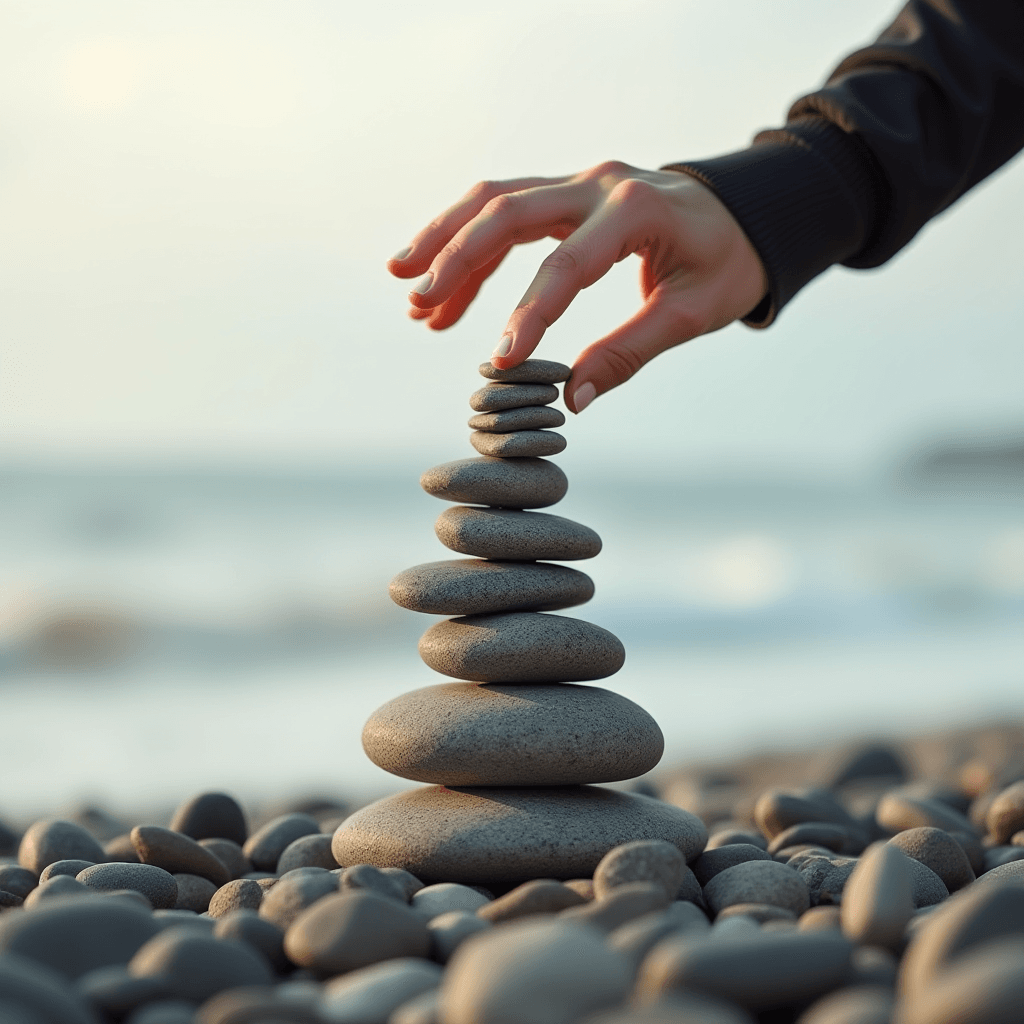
x: 511, y: 751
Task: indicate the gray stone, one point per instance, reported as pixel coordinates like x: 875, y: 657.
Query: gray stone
x: 164, y: 1011
x: 777, y: 810
x: 211, y: 816
x: 370, y: 995
x: 54, y: 889
x: 1006, y: 813
x: 474, y: 586
x: 762, y: 913
x: 58, y: 867
x: 245, y: 925
x: 45, y: 996
x: 877, y: 899
x: 51, y: 840
x: 817, y: 833
x: 636, y: 938
x: 293, y: 894
x: 530, y: 371
x: 513, y: 535
x: 265, y: 846
x: 643, y: 860
x: 623, y: 903
x: 867, y: 1004
x: 758, y: 881
x: 120, y: 849
x: 441, y: 897
x: 898, y: 811
x: 421, y: 1010
x: 939, y: 851
x: 825, y: 877
x: 449, y: 930
x: 714, y: 861
x: 238, y: 894
x: 313, y: 851
x: 677, y: 1008
x: 873, y: 965
x: 366, y: 876
x: 510, y: 835
x: 177, y: 853
x: 997, y: 856
x: 538, y: 896
x: 506, y: 483
x: 735, y: 837
x: 465, y: 734
x: 500, y: 395
x: 20, y: 881
x: 517, y: 445
x: 194, y: 893
x: 156, y: 884
x: 1013, y: 871
x: 8, y: 900
x: 229, y: 853
x: 928, y: 889
x: 532, y: 417
x: 115, y: 993
x: 408, y: 883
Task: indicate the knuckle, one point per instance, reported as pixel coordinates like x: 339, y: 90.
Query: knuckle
x: 563, y: 261
x: 633, y: 192
x: 503, y: 207
x: 483, y: 190
x: 609, y: 168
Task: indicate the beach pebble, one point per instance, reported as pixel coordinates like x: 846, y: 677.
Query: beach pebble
x: 926, y: 886
x: 114, y: 993
x: 530, y: 371
x: 371, y: 994
x: 177, y: 853
x: 474, y: 586
x: 1013, y: 871
x: 120, y: 849
x: 582, y: 886
x: 449, y: 930
x: 501, y: 395
x: 997, y: 856
x: 463, y: 734
x: 8, y: 900
x: 229, y: 853
x: 194, y: 893
x: 287, y: 1003
x: 366, y: 876
x: 514, y: 535
x: 939, y: 851
x: 735, y: 837
x: 211, y: 816
x: 898, y: 811
x: 44, y: 996
x: 821, y: 918
x: 245, y: 925
x: 441, y: 897
x: 762, y: 913
x: 525, y: 833
x: 715, y: 860
x: 869, y: 761
x: 636, y: 938
x: 294, y: 893
x: 51, y: 840
x: 623, y: 903
x: 643, y: 860
x: 877, y: 900
x: 174, y: 918
x: 312, y: 851
x: 19, y: 881
x: 265, y: 846
x: 538, y: 896
x: 408, y: 883
x: 58, y: 867
x: 156, y: 884
x: 164, y: 1011
x: 421, y: 1010
x: 676, y: 1008
x: 518, y: 444
x: 238, y: 894
x: 777, y: 810
x: 758, y: 881
x: 54, y: 889
x: 816, y: 833
x: 861, y: 1004
x: 349, y: 930
x: 506, y: 483
x: 826, y: 877
x: 531, y: 417
x: 549, y: 970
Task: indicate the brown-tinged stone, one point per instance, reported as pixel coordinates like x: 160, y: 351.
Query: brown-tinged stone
x: 449, y: 930
x: 715, y: 860
x: 821, y: 918
x: 1006, y: 813
x: 878, y: 900
x: 194, y: 893
x: 530, y: 371
x: 229, y: 853
x: 642, y: 860
x: 265, y: 846
x: 538, y: 896
x: 518, y: 444
x: 506, y: 483
x: 758, y: 881
x: 531, y: 417
x: 859, y: 1004
x: 238, y: 894
x: 898, y: 811
x: 777, y: 810
x: 583, y: 886
x: 51, y: 840
x: 514, y: 535
x: 762, y: 913
x: 211, y: 816
x: 939, y: 851
x: 817, y: 833
x: 177, y: 853
x: 623, y: 903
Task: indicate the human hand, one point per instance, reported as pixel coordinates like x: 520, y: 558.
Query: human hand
x: 698, y: 270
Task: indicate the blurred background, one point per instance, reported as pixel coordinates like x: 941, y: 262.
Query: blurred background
x: 214, y: 412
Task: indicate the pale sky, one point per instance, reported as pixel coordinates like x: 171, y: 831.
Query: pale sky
x: 197, y: 200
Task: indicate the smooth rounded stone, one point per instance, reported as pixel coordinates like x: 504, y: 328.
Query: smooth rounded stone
x: 120, y: 849
x: 939, y: 851
x: 114, y: 993
x: 581, y: 886
x: 313, y: 851
x: 926, y: 886
x: 878, y: 900
x: 873, y: 965
x: 825, y: 877
x: 286, y: 1003
x: 164, y: 1011
x: 862, y: 1004
x: 134, y: 895
x: 349, y: 930
x: 45, y: 996
x: 501, y: 395
x: 194, y: 893
x: 195, y: 966
x: 760, y: 971
x: 8, y: 900
x: 624, y: 903
x: 816, y: 833
x: 715, y: 860
x: 1013, y: 871
x: 514, y: 535
x: 519, y: 444
x: 636, y: 938
x: 229, y: 853
x: 449, y: 930
x: 177, y: 853
x: 371, y: 994
x: 758, y: 881
x: 238, y: 894
x: 897, y: 812
x: 78, y: 935
x: 292, y: 895
x: 777, y: 810
x: 875, y: 761
x: 821, y: 918
x: 997, y: 856
x: 543, y: 970
x: 512, y: 835
x: 441, y: 897
x: 643, y: 860
x: 530, y: 371
x: 736, y: 837
x: 677, y: 1008
x: 18, y: 881
x: 156, y: 884
x: 538, y: 896
x: 51, y: 840
x: 474, y: 586
x: 366, y: 876
x: 58, y: 867
x: 505, y: 483
x: 55, y: 888
x: 265, y: 846
x: 762, y: 913
x: 531, y: 417
x: 408, y: 883
x: 245, y: 925
x: 464, y: 734
x: 421, y: 1010
x: 211, y: 816
x: 795, y: 855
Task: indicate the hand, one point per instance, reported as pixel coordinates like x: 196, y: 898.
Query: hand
x: 698, y: 271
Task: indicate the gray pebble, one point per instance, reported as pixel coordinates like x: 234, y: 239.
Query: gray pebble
x: 115, y: 993
x: 464, y: 734
x: 506, y: 483
x: 265, y: 846
x: 499, y: 396
x: 758, y: 881
x: 45, y: 996
x: 514, y: 535
x: 238, y: 894
x: 211, y: 816
x: 826, y: 877
x: 156, y: 884
x: 715, y: 860
x: 51, y: 840
x: 762, y: 913
x: 817, y: 833
x: 177, y: 853
x: 623, y: 903
x: 184, y: 919
x: 245, y: 925
x: 533, y: 417
x: 58, y: 867
x: 636, y: 938
x: 408, y: 883
x: 538, y: 896
x: 313, y: 851
x: 997, y: 856
x: 293, y: 894
x: 120, y: 849
x: 474, y: 586
x: 898, y: 811
x: 873, y: 965
x: 54, y: 889
x: 229, y: 853
x: 583, y: 886
x: 939, y: 851
x: 643, y: 860
x: 877, y: 900
x: 131, y: 894
x: 863, y: 1004
x: 194, y: 893
x: 164, y: 1011
x: 518, y: 444
x: 20, y: 881
x: 821, y: 918
x: 370, y: 995
x: 449, y: 930
x: 9, y: 901
x: 875, y: 761
x: 927, y: 888
x: 777, y: 810
x: 366, y: 876
x: 441, y: 897
x: 424, y: 1009
x: 735, y: 836
x: 1013, y: 871
x: 530, y: 371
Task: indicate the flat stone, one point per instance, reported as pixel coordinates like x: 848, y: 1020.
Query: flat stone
x: 513, y: 535
x: 442, y: 897
x: 500, y: 396
x: 464, y: 734
x: 532, y: 417
x: 540, y: 896
x: 476, y: 836
x: 518, y: 444
x: 523, y: 647
x: 530, y: 371
x: 474, y: 586
x: 58, y: 867
x: 506, y: 483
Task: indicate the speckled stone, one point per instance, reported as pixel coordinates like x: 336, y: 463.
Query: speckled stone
x: 758, y: 881
x: 532, y: 417
x: 156, y: 884
x: 512, y: 535
x: 211, y: 816
x: 177, y: 853
x: 474, y: 586
x: 506, y: 483
x: 499, y: 396
x: 531, y: 371
x: 51, y: 840
x: 266, y: 845
x: 463, y: 734
x: 519, y: 444
x: 508, y: 835
x: 939, y: 851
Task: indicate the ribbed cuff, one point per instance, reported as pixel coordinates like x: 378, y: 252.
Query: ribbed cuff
x: 804, y: 195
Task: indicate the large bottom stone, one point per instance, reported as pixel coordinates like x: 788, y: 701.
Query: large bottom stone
x: 508, y: 835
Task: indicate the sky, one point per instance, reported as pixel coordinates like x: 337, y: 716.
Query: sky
x: 197, y: 201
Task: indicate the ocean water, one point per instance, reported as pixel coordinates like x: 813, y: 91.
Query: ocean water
x: 166, y: 630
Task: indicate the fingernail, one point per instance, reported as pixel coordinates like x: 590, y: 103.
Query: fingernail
x: 504, y: 346
x: 583, y: 396
x: 401, y: 254
x: 423, y: 284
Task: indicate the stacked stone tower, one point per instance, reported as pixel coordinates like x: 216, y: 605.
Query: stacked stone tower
x: 510, y: 749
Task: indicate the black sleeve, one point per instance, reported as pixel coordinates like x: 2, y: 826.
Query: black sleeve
x: 901, y: 130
